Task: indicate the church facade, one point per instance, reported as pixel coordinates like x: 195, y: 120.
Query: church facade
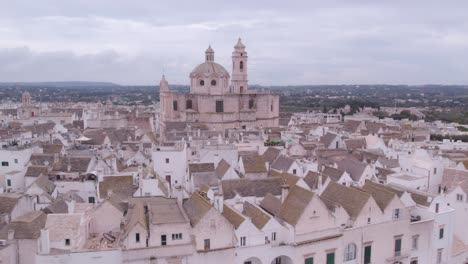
x: 217, y: 100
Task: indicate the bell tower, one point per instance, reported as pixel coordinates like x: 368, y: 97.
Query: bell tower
x: 239, y: 68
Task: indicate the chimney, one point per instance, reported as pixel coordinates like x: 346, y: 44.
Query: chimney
x: 219, y: 202
x: 284, y: 192
x: 71, y: 206
x: 11, y: 234
x: 320, y: 183
x: 45, y: 242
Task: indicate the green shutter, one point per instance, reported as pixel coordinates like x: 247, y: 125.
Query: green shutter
x: 367, y: 254
x: 398, y: 245
x: 441, y: 233
x: 309, y: 261
x: 331, y: 258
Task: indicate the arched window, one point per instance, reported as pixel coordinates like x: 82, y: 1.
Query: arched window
x: 202, y: 82
x: 241, y: 89
x: 213, y: 83
x: 241, y: 65
x: 251, y: 104
x: 350, y: 252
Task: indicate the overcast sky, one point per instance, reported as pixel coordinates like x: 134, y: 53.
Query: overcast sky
x: 289, y: 42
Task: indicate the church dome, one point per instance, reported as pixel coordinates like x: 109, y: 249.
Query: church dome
x: 209, y: 68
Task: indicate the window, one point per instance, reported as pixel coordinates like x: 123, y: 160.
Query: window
x: 350, y: 252
x: 435, y: 171
x: 309, y: 260
x: 396, y: 213
x: 167, y: 160
x: 441, y: 233
x: 4, y: 163
x: 207, y: 244
x: 177, y: 236
x: 271, y: 107
x: 331, y: 258
x: 241, y: 89
x: 8, y: 182
x: 16, y: 161
x: 163, y: 240
x: 174, y: 105
x: 278, y: 260
x: 367, y: 254
x: 437, y: 208
x: 439, y: 256
x: 213, y: 82
x: 91, y: 200
x: 251, y: 104
x: 188, y: 104
x: 414, y: 261
x: 368, y: 220
x: 137, y: 237
x: 67, y: 241
x: 241, y: 66
x: 459, y: 197
x: 397, y: 247
x: 219, y: 106
x: 414, y: 242
x: 273, y: 236
x: 202, y: 82
x: 243, y: 241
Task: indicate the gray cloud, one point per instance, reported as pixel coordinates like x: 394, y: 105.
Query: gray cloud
x: 300, y: 42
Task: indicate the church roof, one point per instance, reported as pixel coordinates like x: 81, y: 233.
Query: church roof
x: 209, y: 68
x: 239, y: 44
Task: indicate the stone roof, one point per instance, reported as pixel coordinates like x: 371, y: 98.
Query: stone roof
x: 271, y: 154
x: 288, y: 178
x: 59, y: 206
x: 196, y: 208
x: 8, y: 202
x: 35, y: 171
x: 312, y: 179
x: 254, y: 164
x: 271, y: 204
x: 135, y: 215
x: 351, y: 126
x: 356, y: 143
x: 258, y: 217
x: 77, y: 164
x: 232, y: 216
x: 350, y: 199
x: 166, y: 211
x: 453, y: 178
x: 354, y: 168
x: 52, y: 148
x: 45, y: 184
x: 63, y: 226
x: 222, y: 168
x: 42, y: 159
x: 333, y: 173
x: 381, y: 196
x: 389, y: 163
x: 201, y: 167
x: 328, y: 138
x: 120, y: 186
x: 294, y: 205
x: 27, y: 226
x: 205, y: 178
x: 248, y: 188
x: 282, y: 163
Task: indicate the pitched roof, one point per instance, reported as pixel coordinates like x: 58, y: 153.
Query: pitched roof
x: 453, y: 178
x: 389, y: 163
x: 282, y: 163
x: 62, y: 226
x: 312, y: 179
x: 222, y: 168
x: 136, y: 215
x: 121, y: 186
x: 356, y: 143
x: 350, y: 199
x: 196, y: 207
x: 334, y: 173
x: 328, y: 138
x: 271, y: 154
x: 353, y: 167
x: 232, y: 216
x: 257, y: 216
x: 294, y: 205
x: 247, y: 187
x: 35, y: 171
x: 288, y: 178
x: 77, y: 164
x: 271, y: 204
x: 201, y: 167
x: 8, y: 202
x: 27, y: 226
x: 42, y: 159
x: 254, y: 163
x: 381, y: 196
x: 45, y: 184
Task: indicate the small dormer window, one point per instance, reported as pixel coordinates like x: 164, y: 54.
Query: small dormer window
x: 213, y: 83
x: 202, y: 82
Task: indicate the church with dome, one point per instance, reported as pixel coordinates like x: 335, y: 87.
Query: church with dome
x: 217, y: 100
